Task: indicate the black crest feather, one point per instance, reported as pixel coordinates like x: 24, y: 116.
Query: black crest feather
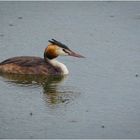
x: 55, y: 42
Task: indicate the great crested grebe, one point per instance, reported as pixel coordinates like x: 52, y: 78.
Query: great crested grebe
x: 41, y: 66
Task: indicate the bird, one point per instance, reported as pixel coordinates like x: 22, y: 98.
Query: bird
x: 40, y: 66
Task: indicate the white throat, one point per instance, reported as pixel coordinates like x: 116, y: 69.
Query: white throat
x: 60, y: 65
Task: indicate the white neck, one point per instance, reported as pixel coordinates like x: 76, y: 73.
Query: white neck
x: 56, y: 63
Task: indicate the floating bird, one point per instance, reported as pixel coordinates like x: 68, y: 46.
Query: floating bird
x: 40, y: 66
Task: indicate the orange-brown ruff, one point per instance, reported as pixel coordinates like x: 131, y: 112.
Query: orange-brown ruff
x: 39, y: 66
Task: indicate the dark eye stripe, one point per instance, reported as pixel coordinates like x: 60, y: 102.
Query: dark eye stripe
x: 66, y: 51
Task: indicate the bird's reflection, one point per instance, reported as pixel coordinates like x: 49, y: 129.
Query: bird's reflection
x: 53, y: 92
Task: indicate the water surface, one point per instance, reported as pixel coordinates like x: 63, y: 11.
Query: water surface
x: 100, y: 98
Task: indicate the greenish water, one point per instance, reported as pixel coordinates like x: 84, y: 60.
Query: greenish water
x: 99, y: 98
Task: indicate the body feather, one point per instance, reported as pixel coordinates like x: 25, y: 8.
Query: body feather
x: 28, y: 65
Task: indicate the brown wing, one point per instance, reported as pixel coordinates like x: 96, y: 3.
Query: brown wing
x: 24, y: 61
x: 27, y: 65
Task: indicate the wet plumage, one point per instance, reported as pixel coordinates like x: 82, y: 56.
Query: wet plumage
x: 36, y: 65
x: 28, y: 65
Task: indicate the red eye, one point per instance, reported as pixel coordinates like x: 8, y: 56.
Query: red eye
x: 65, y: 51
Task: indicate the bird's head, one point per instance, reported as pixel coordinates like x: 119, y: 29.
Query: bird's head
x: 56, y: 48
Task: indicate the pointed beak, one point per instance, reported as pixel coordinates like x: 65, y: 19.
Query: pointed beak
x: 75, y: 54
